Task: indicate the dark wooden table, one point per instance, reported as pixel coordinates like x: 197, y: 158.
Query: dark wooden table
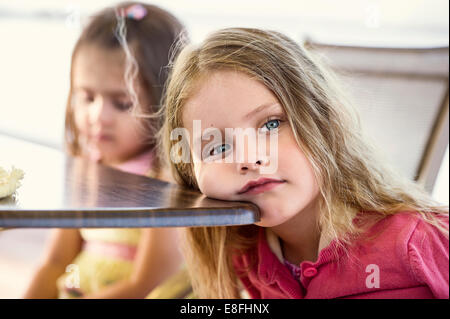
x: 60, y: 191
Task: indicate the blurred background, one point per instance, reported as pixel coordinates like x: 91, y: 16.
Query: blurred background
x: 392, y: 54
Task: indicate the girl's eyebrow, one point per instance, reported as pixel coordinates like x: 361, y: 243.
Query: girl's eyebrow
x: 261, y: 108
x: 115, y: 93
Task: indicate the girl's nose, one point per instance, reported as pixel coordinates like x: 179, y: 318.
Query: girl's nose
x: 101, y: 112
x: 243, y: 168
x: 251, y: 159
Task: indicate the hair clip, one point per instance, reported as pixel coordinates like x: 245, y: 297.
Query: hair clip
x: 134, y: 11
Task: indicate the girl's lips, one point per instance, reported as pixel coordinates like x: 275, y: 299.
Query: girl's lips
x: 260, y: 186
x: 103, y: 138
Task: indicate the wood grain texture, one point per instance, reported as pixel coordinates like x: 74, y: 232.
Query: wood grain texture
x: 60, y: 191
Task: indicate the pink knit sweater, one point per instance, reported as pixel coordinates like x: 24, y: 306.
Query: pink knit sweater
x: 407, y: 259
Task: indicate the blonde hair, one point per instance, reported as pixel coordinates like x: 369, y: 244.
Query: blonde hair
x: 352, y: 178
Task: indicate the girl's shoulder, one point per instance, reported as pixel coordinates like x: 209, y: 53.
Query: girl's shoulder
x: 406, y: 235
x: 422, y: 248
x: 139, y: 164
x: 404, y: 224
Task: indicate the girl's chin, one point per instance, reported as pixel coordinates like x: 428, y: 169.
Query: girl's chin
x: 109, y: 159
x: 265, y: 222
x: 261, y: 224
x: 273, y: 218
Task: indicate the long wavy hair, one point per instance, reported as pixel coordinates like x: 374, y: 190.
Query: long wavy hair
x: 148, y: 44
x: 352, y: 177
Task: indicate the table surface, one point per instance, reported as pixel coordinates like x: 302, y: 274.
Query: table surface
x: 60, y: 191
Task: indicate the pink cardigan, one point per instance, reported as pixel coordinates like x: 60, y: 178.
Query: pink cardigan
x: 139, y: 165
x: 408, y: 259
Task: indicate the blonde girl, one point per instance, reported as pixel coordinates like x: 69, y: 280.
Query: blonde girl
x: 118, y: 66
x: 336, y: 222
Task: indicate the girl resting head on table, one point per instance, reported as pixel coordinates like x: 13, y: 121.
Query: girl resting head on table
x: 118, y: 65
x: 336, y: 222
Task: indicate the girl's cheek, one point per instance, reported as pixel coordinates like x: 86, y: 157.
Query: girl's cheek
x: 204, y: 179
x: 215, y: 181
x: 81, y: 122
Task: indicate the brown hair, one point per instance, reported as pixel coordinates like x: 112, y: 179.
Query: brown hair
x: 352, y: 177
x: 150, y: 41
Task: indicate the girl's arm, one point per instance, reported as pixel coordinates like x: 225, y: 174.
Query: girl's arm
x: 157, y: 258
x: 64, y: 246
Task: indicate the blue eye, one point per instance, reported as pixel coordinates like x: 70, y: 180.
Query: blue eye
x: 271, y: 125
x: 219, y: 149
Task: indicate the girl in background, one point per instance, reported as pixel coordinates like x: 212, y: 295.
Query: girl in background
x: 336, y: 222
x: 118, y: 66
